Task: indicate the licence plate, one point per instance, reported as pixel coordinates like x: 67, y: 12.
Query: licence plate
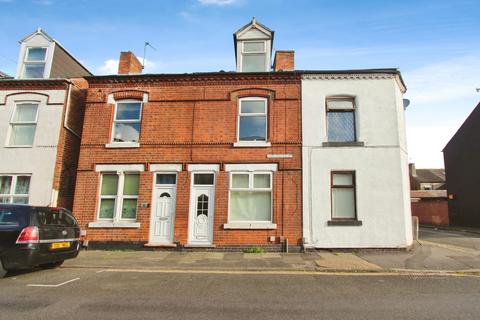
x: 60, y: 245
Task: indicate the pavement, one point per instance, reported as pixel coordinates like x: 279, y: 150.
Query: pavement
x: 437, y: 279
x: 437, y: 251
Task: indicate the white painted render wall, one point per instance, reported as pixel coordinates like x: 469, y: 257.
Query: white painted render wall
x: 37, y: 40
x: 39, y: 160
x: 381, y: 165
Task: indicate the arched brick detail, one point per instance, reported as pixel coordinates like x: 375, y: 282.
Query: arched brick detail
x: 252, y: 92
x: 128, y: 94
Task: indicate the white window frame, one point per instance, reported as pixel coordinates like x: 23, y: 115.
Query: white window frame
x: 265, y: 114
x: 243, y: 53
x: 115, y: 121
x: 26, y: 62
x: 119, y: 197
x: 352, y: 110
x: 13, y: 185
x: 20, y: 123
x: 250, y: 189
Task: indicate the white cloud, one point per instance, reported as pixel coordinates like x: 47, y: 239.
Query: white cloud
x: 110, y: 66
x: 445, y: 81
x: 218, y: 2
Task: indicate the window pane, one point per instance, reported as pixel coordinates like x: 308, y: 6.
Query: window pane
x: 239, y: 180
x: 109, y: 184
x: 261, y: 181
x: 343, y: 203
x: 342, y: 179
x: 339, y: 104
x: 128, y: 111
x: 341, y: 126
x: 21, y: 200
x: 5, y: 184
x: 166, y: 178
x: 36, y: 54
x: 22, y: 135
x: 126, y: 132
x: 253, y: 63
x: 253, y: 106
x: 129, y: 209
x: 130, y: 186
x: 4, y: 199
x: 253, y: 128
x: 254, y: 46
x: 203, y: 178
x: 34, y: 71
x: 25, y: 113
x: 250, y: 206
x: 22, y: 185
x: 107, y: 207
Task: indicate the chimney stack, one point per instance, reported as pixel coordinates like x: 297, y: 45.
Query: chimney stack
x: 284, y: 60
x: 129, y: 64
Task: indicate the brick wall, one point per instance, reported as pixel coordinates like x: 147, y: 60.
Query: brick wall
x: 193, y: 119
x: 431, y: 211
x: 69, y: 144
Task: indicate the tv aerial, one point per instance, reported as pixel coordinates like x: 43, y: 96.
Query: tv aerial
x: 147, y: 44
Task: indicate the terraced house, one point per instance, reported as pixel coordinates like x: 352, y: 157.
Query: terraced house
x: 197, y: 160
x: 41, y: 114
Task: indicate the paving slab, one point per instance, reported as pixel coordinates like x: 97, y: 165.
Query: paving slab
x: 344, y: 261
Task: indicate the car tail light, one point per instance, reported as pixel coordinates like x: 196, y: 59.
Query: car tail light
x: 28, y: 235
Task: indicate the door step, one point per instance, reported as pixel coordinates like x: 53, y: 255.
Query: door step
x: 160, y: 245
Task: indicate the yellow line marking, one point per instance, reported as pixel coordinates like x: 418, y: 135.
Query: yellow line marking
x: 299, y: 273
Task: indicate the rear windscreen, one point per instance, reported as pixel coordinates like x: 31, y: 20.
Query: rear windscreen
x: 51, y: 217
x: 11, y: 217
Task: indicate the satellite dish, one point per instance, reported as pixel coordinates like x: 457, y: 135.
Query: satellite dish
x: 406, y: 103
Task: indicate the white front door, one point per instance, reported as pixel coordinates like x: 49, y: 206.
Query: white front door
x: 202, y: 209
x: 163, y: 214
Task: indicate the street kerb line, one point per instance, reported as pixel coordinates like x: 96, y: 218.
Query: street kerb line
x: 302, y: 273
x: 52, y: 285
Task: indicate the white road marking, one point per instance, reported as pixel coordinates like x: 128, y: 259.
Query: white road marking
x: 52, y: 285
x: 100, y: 271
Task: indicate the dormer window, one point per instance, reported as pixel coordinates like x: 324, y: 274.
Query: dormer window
x: 253, y: 47
x: 254, y: 56
x: 34, y: 63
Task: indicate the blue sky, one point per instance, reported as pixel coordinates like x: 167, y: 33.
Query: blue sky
x: 435, y: 44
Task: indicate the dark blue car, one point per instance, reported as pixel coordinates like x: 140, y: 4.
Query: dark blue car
x: 36, y: 236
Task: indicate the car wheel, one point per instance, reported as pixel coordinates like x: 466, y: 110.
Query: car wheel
x: 52, y: 265
x: 3, y: 272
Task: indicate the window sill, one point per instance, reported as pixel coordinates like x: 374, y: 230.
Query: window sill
x: 252, y: 144
x: 344, y: 144
x: 19, y: 146
x: 122, y: 145
x: 109, y: 224
x: 250, y: 226
x: 344, y: 223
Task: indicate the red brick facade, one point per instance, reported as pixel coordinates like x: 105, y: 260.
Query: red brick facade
x: 192, y: 119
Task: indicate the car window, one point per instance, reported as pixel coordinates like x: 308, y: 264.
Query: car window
x: 55, y: 217
x: 11, y: 217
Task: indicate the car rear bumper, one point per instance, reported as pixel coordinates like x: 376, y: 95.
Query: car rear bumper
x: 30, y: 255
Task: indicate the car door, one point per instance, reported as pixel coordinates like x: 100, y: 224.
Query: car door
x: 12, y: 221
